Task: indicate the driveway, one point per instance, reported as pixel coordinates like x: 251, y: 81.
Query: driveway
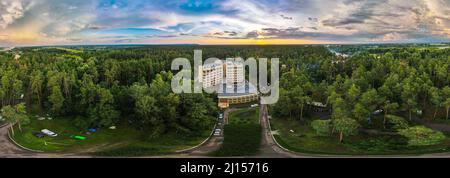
x: 269, y: 149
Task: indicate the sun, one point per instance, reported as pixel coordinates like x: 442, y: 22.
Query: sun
x: 261, y: 41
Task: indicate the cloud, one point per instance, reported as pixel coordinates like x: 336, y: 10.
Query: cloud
x: 290, y: 33
x: 105, y: 21
x: 252, y: 34
x: 392, y: 37
x: 10, y: 11
x: 224, y: 35
x: 313, y: 19
x: 286, y: 17
x: 415, y: 18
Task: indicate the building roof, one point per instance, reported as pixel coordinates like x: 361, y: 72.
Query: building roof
x: 239, y: 89
x: 216, y: 63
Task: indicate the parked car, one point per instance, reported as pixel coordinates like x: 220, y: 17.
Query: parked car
x: 38, y: 134
x: 49, y: 133
x: 254, y: 105
x: 377, y: 111
x: 217, y: 132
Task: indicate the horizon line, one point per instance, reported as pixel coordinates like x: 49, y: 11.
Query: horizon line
x: 250, y: 44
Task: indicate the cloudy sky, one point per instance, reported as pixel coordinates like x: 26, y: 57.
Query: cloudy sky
x: 50, y: 22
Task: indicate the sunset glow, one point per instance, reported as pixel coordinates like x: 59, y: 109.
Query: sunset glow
x: 48, y: 22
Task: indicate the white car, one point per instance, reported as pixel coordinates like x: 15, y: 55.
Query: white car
x: 49, y: 133
x: 217, y: 132
x: 254, y: 105
x: 378, y: 111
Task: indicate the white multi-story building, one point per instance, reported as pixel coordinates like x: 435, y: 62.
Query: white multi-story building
x: 211, y: 74
x: 230, y: 72
x: 234, y: 72
x: 229, y: 81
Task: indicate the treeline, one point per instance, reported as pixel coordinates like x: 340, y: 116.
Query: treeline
x: 109, y: 85
x: 96, y: 89
x: 405, y: 81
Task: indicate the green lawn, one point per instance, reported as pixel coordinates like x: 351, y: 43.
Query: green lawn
x: 123, y: 141
x: 244, y: 116
x: 305, y: 140
x: 242, y: 136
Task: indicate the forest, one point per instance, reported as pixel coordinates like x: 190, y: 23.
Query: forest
x: 404, y: 85
x: 102, y: 88
x: 109, y: 85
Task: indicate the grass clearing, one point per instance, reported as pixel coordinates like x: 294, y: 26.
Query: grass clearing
x: 166, y: 144
x: 123, y: 141
x: 244, y: 116
x: 305, y: 140
x: 242, y: 136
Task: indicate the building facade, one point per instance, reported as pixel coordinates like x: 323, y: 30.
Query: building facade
x: 211, y: 74
x: 228, y: 78
x: 236, y: 93
x: 234, y: 72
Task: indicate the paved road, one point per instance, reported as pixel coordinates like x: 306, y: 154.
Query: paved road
x: 10, y: 150
x: 435, y: 126
x: 213, y: 143
x: 7, y: 148
x: 268, y: 147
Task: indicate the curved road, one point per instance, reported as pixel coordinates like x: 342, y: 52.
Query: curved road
x: 10, y: 150
x: 269, y: 149
x: 212, y: 144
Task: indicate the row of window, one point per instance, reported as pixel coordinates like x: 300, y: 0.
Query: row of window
x: 244, y: 99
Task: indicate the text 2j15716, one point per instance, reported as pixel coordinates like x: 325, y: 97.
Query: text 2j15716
x: 232, y: 168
